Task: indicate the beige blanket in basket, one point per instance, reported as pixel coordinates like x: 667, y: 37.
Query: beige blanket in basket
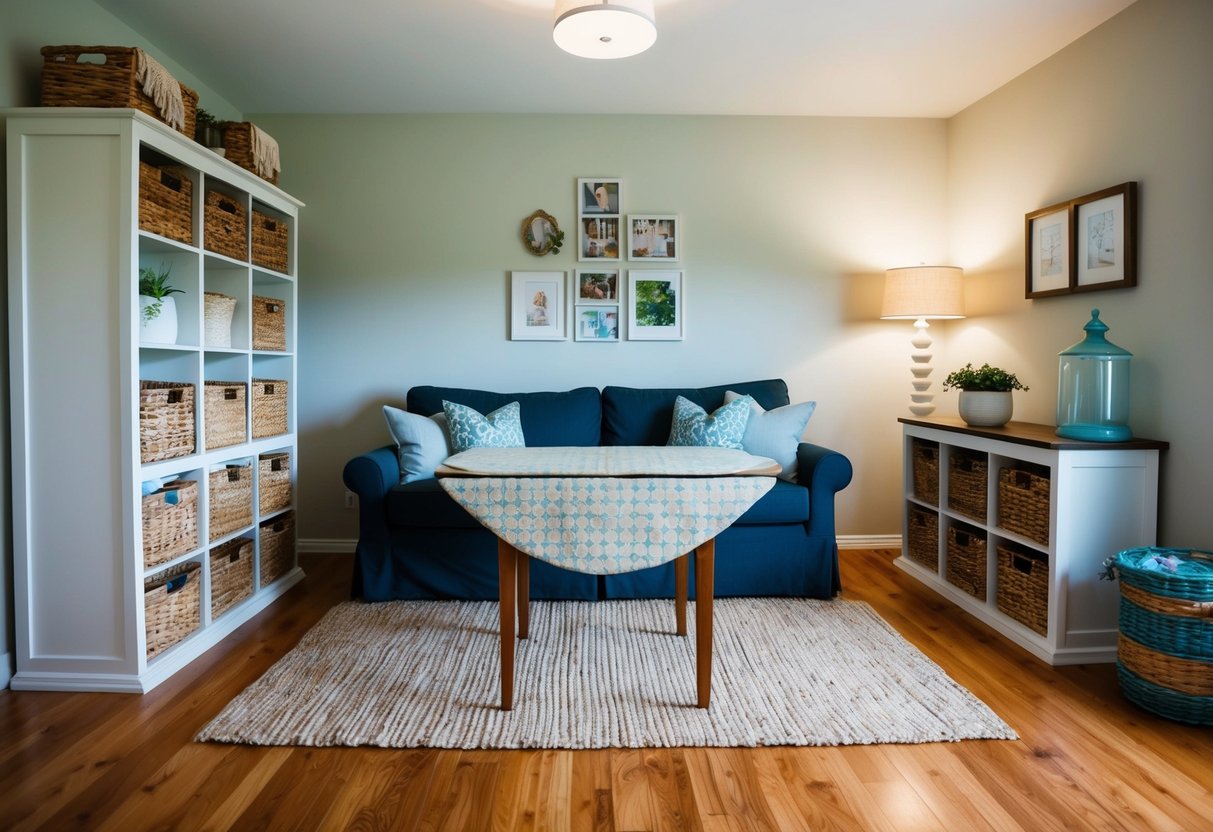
x: 160, y: 86
x: 265, y: 154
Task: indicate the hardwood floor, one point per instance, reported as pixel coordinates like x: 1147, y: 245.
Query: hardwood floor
x: 1086, y: 758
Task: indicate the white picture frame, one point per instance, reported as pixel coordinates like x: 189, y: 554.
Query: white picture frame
x: 596, y: 322
x: 600, y: 229
x: 656, y: 305
x: 537, y: 306
x: 597, y: 286
x: 654, y: 237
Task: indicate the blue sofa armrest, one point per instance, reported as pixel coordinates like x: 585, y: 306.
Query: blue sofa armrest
x: 825, y: 472
x: 373, y: 474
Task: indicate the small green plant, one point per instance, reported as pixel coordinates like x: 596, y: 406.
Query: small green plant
x: 204, y: 118
x: 984, y: 377
x: 154, y: 284
x: 557, y: 239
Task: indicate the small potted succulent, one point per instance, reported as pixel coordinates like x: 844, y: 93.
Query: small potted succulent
x: 985, y: 394
x: 157, y: 309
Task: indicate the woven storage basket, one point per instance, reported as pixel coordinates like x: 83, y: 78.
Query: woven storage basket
x: 269, y: 407
x: 270, y: 239
x: 273, y: 482
x: 1023, y: 502
x: 1165, y: 654
x: 269, y: 323
x: 231, y: 574
x: 238, y: 147
x: 966, y: 566
x: 231, y: 498
x: 226, y: 411
x: 967, y: 483
x: 277, y: 547
x: 217, y: 323
x: 924, y: 461
x: 166, y: 420
x: 171, y: 606
x: 170, y: 522
x: 924, y: 537
x: 1023, y: 585
x: 225, y: 229
x: 66, y: 82
x: 166, y: 204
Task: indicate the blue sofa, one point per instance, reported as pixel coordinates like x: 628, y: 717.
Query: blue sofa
x: 415, y: 542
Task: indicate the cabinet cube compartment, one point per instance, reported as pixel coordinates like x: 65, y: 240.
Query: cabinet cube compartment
x: 166, y: 420
x: 166, y: 204
x: 1023, y: 585
x: 273, y: 482
x: 170, y: 522
x: 1023, y: 502
x: 924, y: 536
x: 269, y: 407
x: 225, y: 227
x: 217, y: 323
x: 269, y: 324
x: 171, y: 606
x: 226, y: 413
x: 270, y: 242
x: 966, y: 567
x: 967, y: 483
x: 277, y: 537
x: 231, y: 498
x: 925, y: 465
x: 231, y: 574
x: 238, y: 147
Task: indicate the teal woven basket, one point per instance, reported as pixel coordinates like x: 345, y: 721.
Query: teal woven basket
x: 1165, y: 651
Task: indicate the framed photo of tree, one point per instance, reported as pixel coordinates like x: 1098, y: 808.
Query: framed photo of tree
x: 1049, y: 251
x: 1106, y: 239
x: 656, y: 305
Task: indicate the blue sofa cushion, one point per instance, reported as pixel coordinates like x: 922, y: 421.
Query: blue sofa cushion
x: 642, y: 415
x: 572, y: 418
x: 423, y: 504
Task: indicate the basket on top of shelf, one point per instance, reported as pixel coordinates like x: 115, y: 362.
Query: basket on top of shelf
x: 277, y: 537
x: 231, y: 574
x: 966, y: 561
x: 166, y: 201
x: 1165, y: 652
x: 269, y: 324
x: 217, y: 320
x: 226, y: 411
x: 923, y: 537
x: 269, y: 407
x: 270, y: 241
x: 238, y: 148
x: 967, y: 483
x: 166, y: 420
x: 225, y: 225
x: 231, y: 498
x: 1023, y: 585
x: 170, y: 522
x: 924, y: 462
x: 273, y: 482
x: 104, y: 76
x: 172, y: 606
x: 1023, y: 501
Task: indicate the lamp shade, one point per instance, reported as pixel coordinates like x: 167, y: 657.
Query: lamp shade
x: 924, y: 292
x: 604, y: 29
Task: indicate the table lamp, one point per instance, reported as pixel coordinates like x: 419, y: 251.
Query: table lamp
x: 922, y: 293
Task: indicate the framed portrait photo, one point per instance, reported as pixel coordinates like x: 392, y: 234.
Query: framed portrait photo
x: 596, y: 286
x: 598, y: 196
x: 1105, y: 226
x: 654, y: 237
x: 1049, y: 251
x: 537, y: 304
x: 656, y: 304
x: 599, y: 322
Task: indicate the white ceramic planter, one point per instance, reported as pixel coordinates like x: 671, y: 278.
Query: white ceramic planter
x: 985, y: 408
x: 161, y: 329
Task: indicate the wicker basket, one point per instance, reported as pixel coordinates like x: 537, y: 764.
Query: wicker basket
x: 269, y: 323
x: 923, y: 537
x: 924, y: 461
x: 1165, y: 653
x: 225, y: 230
x: 966, y: 567
x: 238, y: 147
x: 1023, y: 502
x: 231, y: 574
x: 170, y: 522
x: 171, y: 606
x: 967, y: 483
x: 269, y: 407
x: 217, y: 324
x: 231, y: 498
x: 273, y: 482
x: 1023, y: 585
x: 277, y: 537
x: 270, y: 240
x: 226, y: 411
x: 166, y: 420
x: 166, y: 201
x: 68, y: 82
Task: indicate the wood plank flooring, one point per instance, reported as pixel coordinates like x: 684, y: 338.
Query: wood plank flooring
x: 1086, y: 759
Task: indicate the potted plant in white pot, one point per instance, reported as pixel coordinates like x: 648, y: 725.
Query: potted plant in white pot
x: 157, y: 309
x: 985, y: 394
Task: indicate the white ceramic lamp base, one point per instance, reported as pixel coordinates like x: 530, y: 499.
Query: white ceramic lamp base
x: 922, y: 400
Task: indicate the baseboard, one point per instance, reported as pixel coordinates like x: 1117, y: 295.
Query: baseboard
x: 869, y: 541
x: 325, y: 546
x: 6, y: 670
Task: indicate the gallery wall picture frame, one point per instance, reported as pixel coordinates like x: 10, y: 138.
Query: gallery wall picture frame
x: 1049, y: 251
x: 656, y: 305
x: 599, y: 195
x: 599, y: 218
x: 596, y: 286
x: 654, y: 237
x: 1105, y: 223
x: 537, y: 306
x: 597, y: 322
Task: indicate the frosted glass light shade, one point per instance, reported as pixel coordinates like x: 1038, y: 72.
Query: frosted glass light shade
x: 918, y: 292
x: 605, y: 29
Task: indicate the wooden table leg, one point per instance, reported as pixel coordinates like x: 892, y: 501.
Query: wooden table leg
x: 524, y: 594
x: 681, y: 568
x: 507, y: 565
x: 705, y: 570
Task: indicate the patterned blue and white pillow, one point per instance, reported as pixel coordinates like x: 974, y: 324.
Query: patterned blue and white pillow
x: 723, y: 429
x: 469, y: 429
x: 775, y: 433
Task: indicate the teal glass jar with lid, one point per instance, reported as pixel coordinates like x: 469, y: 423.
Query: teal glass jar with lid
x: 1093, y: 388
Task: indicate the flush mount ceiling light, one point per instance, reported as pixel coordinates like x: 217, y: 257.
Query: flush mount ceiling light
x: 606, y: 29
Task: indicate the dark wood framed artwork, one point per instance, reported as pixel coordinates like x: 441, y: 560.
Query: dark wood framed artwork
x: 1049, y: 251
x: 1086, y: 244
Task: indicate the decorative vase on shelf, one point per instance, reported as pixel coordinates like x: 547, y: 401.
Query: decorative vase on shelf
x: 159, y: 327
x: 1093, y: 388
x: 986, y: 408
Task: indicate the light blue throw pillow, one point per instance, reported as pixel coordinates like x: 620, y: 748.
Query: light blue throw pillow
x: 422, y: 442
x: 723, y: 429
x: 775, y: 433
x: 469, y: 429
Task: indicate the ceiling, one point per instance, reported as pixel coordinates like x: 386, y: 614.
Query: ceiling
x: 908, y: 58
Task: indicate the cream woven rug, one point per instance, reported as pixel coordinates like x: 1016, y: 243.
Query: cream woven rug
x: 410, y: 674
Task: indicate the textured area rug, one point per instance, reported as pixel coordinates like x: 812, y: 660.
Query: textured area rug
x: 410, y: 674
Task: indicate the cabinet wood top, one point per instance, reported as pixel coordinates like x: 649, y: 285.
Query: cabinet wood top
x: 1029, y: 433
